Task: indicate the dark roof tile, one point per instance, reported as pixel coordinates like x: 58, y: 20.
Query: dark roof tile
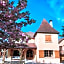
x: 45, y: 27
x: 31, y: 45
x: 60, y: 40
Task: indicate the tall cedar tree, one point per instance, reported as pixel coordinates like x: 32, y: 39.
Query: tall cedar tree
x: 62, y: 35
x: 10, y: 30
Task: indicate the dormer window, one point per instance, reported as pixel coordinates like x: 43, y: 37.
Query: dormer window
x: 48, y: 38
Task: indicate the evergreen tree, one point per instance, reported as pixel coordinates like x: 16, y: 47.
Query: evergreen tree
x: 62, y: 35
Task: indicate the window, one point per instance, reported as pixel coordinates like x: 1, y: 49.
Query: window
x: 48, y: 53
x: 15, y: 53
x: 48, y: 38
x: 60, y: 48
x: 29, y: 54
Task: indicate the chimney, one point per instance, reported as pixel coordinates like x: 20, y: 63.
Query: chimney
x: 51, y: 23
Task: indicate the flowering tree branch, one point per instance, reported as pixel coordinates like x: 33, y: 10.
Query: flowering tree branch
x: 10, y: 30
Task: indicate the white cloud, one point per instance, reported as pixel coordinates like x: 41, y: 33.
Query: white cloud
x: 62, y: 20
x: 58, y: 18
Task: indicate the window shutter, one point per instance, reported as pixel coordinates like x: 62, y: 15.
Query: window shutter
x: 41, y: 53
x: 57, y: 54
x: 62, y: 58
x: 48, y: 38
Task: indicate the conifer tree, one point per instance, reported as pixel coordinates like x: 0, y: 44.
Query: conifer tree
x: 62, y: 35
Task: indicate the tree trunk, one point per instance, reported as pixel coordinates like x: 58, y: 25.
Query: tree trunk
x: 20, y: 54
x: 4, y: 55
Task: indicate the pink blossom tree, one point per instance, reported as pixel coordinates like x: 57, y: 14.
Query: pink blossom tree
x: 10, y: 30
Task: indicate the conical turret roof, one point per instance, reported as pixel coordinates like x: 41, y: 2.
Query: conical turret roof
x: 45, y: 27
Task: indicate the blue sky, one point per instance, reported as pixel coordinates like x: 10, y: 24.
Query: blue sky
x: 48, y: 9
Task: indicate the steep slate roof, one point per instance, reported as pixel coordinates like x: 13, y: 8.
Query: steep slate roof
x: 25, y: 45
x: 45, y: 27
x: 60, y: 40
x: 31, y: 34
x: 31, y: 45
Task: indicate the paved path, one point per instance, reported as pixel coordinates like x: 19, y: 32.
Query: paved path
x: 14, y: 62
x: 18, y: 62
